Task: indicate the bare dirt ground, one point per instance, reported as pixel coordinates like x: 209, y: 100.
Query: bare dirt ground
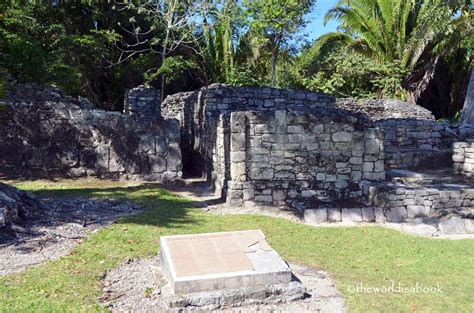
x: 135, y: 287
x: 61, y: 228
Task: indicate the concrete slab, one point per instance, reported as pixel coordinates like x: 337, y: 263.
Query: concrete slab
x: 218, y: 261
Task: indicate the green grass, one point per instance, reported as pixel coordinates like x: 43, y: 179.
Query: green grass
x: 373, y: 256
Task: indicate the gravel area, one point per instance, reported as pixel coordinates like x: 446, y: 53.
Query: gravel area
x: 60, y: 228
x: 135, y: 287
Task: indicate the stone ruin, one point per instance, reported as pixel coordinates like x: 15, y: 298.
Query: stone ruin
x: 275, y: 147
x: 328, y: 159
x: 45, y: 134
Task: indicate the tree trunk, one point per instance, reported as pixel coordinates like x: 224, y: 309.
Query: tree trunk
x: 274, y: 59
x: 467, y: 117
x: 163, y: 76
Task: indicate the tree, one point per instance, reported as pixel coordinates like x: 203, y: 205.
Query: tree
x: 227, y: 49
x: 413, y: 34
x: 275, y: 22
x: 175, y: 18
x: 220, y: 31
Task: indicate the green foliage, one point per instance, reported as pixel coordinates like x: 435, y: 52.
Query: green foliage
x: 174, y: 68
x: 410, y: 50
x: 414, y: 50
x: 72, y: 45
x: 274, y: 23
x: 277, y: 21
x: 244, y: 76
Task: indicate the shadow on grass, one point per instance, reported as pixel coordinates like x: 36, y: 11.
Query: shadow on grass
x: 163, y: 208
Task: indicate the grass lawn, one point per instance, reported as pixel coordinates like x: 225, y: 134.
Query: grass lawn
x: 372, y: 256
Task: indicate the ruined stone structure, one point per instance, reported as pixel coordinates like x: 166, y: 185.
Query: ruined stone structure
x: 412, y: 137
x: 329, y: 159
x: 274, y: 146
x: 46, y: 134
x: 463, y: 158
x: 142, y: 103
x: 285, y: 157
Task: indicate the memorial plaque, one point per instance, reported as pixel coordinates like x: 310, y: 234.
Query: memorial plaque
x: 217, y: 261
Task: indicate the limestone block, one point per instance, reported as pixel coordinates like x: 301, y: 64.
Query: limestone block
x: 248, y: 194
x: 320, y: 176
x: 452, y: 225
x: 279, y: 195
x: 355, y: 160
x: 237, y: 122
x: 356, y: 176
x: 294, y: 129
x: 469, y: 226
x: 368, y: 167
x: 315, y: 215
x: 334, y: 215
x: 264, y: 198
x: 284, y: 175
x: 351, y: 215
x: 396, y: 214
x: 368, y: 214
x: 238, y: 142
x: 308, y: 193
x: 264, y: 129
x: 417, y: 211
x: 261, y: 173
x: 379, y: 166
x: 237, y: 156
x: 295, y: 138
x: 372, y: 146
x: 379, y: 215
x: 238, y: 169
x: 342, y: 137
x: 341, y: 184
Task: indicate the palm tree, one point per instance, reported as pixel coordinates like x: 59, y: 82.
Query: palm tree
x: 218, y: 40
x: 225, y: 47
x: 411, y: 33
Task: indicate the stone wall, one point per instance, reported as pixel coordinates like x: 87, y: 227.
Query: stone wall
x: 143, y: 103
x: 199, y: 113
x: 463, y: 158
x: 56, y: 136
x: 181, y: 106
x: 412, y: 136
x: 421, y: 195
x: 286, y: 157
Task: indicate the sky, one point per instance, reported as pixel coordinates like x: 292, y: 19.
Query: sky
x: 315, y: 27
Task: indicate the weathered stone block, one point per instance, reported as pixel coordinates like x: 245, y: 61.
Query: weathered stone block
x: 279, y: 195
x: 238, y: 142
x: 452, y: 225
x: 315, y: 215
x: 342, y: 137
x: 248, y: 194
x: 334, y: 215
x: 237, y: 156
x: 396, y: 214
x: 368, y: 214
x: 417, y: 211
x: 351, y: 215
